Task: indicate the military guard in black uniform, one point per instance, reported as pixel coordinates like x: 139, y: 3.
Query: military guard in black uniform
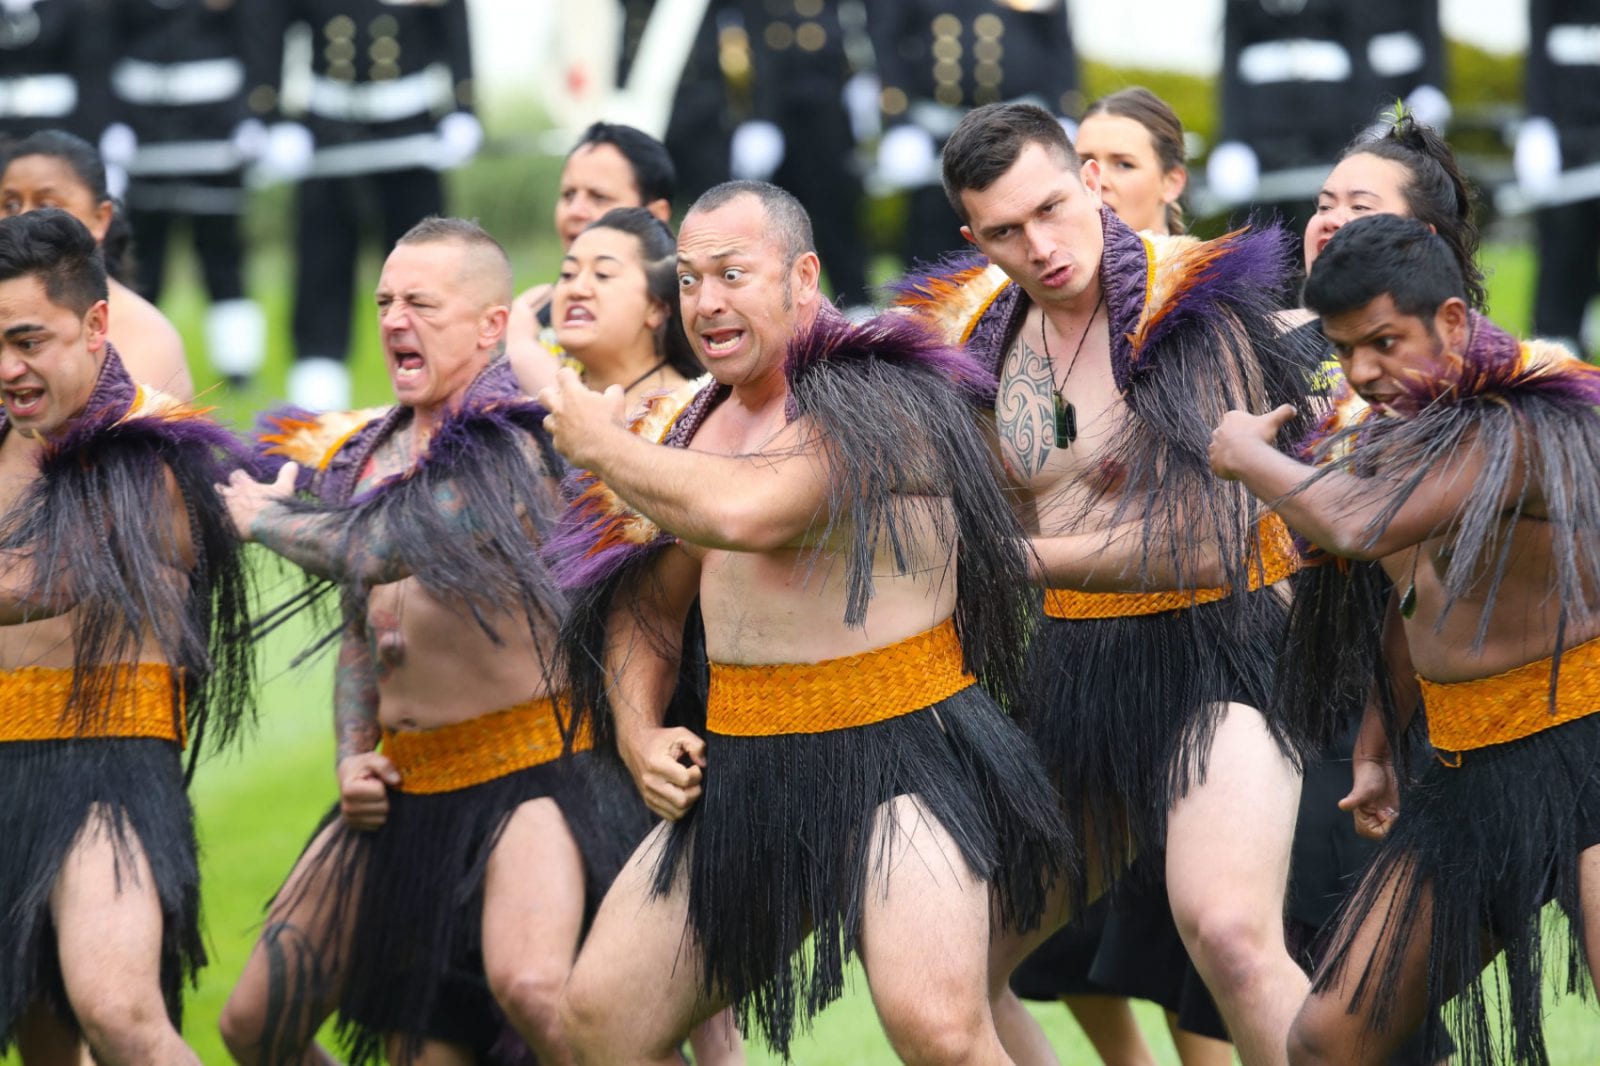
x: 1295, y: 89
x: 1558, y: 161
x: 53, y: 61
x: 179, y: 81
x: 1401, y: 48
x: 800, y: 136
x: 715, y: 78
x: 390, y: 105
x: 939, y: 58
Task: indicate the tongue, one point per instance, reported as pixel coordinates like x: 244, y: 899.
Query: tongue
x: 410, y: 362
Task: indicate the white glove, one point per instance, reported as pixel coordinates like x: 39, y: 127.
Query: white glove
x: 756, y: 151
x: 1536, y: 160
x: 287, y: 153
x: 249, y: 140
x: 118, y: 145
x: 1430, y: 106
x: 1233, y: 172
x: 862, y: 99
x: 906, y: 158
x: 1069, y: 127
x: 116, y: 181
x: 460, y: 137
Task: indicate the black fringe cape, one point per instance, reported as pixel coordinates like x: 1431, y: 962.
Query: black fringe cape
x: 779, y: 844
x: 96, y: 521
x: 1124, y: 709
x: 1486, y: 843
x: 415, y: 953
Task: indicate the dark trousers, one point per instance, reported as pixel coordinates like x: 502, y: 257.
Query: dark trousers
x: 329, y: 227
x: 214, y: 226
x: 932, y: 228
x: 1569, y: 267
x: 818, y: 168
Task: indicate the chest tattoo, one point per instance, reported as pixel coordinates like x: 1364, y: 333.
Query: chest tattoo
x: 1025, y: 410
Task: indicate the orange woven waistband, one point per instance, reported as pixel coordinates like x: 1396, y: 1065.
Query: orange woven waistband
x: 480, y: 749
x: 33, y: 706
x: 1276, y: 561
x: 875, y: 686
x: 1463, y: 715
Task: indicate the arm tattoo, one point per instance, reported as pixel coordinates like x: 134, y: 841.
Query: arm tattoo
x: 355, y: 694
x: 1025, y: 410
x: 298, y: 983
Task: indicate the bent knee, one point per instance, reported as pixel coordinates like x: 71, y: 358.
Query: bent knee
x: 1314, y: 1043
x: 122, y: 1018
x: 531, y: 994
x: 1231, y: 946
x: 581, y: 1009
x: 935, y: 1029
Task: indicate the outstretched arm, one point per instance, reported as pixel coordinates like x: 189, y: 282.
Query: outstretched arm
x: 644, y: 642
x: 1338, y: 510
x: 758, y: 502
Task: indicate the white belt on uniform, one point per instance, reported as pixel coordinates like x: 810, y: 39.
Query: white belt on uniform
x: 427, y: 90
x: 38, y: 95
x: 199, y: 81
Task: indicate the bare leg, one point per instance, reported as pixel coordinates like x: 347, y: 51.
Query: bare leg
x: 634, y: 994
x: 1227, y: 872
x: 1196, y: 1050
x: 1329, y: 1029
x: 924, y: 943
x: 1109, y: 1024
x: 716, y: 1042
x: 532, y: 917
x: 1589, y: 904
x: 291, y: 981
x: 108, y: 935
x: 44, y: 1040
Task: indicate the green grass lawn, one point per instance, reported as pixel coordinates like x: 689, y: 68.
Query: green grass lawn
x: 257, y: 806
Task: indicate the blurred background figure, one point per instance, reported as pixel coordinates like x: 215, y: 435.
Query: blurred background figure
x: 939, y: 58
x: 800, y: 134
x: 1557, y: 163
x: 179, y: 82
x: 712, y: 89
x: 53, y: 61
x: 389, y: 104
x: 1301, y: 77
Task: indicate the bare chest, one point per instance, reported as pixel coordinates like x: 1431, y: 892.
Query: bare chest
x: 19, y: 469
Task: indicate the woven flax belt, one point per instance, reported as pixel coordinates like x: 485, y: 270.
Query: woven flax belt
x: 1277, y: 560
x: 1463, y: 715
x: 33, y: 706
x: 479, y: 749
x: 766, y: 701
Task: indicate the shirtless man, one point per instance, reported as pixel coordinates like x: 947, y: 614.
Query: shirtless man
x: 114, y: 652
x: 450, y: 620
x: 1468, y: 481
x: 1149, y: 678
x: 852, y: 781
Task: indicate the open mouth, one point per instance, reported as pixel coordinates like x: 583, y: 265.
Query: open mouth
x: 408, y: 363
x: 1056, y: 278
x: 23, y: 403
x: 578, y: 316
x: 715, y: 342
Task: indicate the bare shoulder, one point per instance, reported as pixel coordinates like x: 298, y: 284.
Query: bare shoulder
x: 149, y: 345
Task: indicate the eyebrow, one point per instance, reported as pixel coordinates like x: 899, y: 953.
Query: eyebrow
x: 26, y: 327
x: 713, y: 257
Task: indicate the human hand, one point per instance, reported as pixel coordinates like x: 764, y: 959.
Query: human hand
x: 655, y: 758
x: 246, y: 498
x: 364, y: 784
x: 1240, y: 433
x: 1374, y: 797
x: 580, y: 418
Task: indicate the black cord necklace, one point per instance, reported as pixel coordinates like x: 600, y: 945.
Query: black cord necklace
x: 629, y: 386
x: 1066, y: 415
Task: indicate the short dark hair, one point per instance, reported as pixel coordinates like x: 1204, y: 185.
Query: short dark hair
x: 84, y: 161
x: 468, y: 233
x: 1379, y: 255
x: 989, y: 140
x: 648, y: 158
x: 658, y: 251
x: 788, y: 216
x: 60, y: 251
x: 1436, y: 192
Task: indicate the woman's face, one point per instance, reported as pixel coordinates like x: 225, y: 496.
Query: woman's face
x: 32, y: 182
x: 1362, y: 184
x: 602, y: 299
x: 1132, y: 182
